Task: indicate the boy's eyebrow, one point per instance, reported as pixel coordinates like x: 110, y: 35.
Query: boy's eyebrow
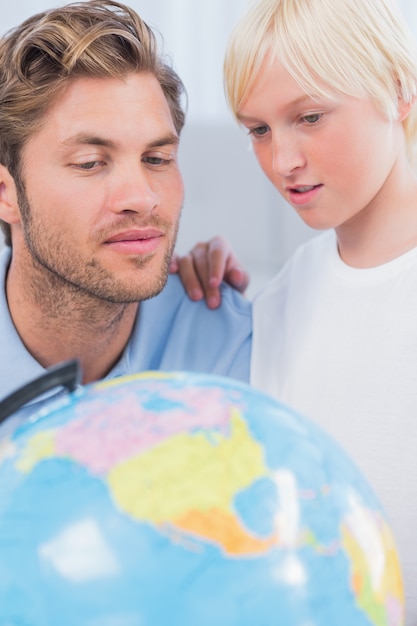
x: 95, y: 140
x: 294, y: 103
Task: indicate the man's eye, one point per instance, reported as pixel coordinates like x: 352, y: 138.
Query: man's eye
x: 89, y: 165
x: 158, y: 159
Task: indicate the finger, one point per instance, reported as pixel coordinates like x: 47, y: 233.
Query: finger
x: 237, y: 278
x: 219, y: 253
x: 193, y: 284
x: 173, y: 265
x: 189, y: 278
x: 209, y: 263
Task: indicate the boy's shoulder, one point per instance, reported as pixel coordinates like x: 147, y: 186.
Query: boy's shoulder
x: 305, y: 261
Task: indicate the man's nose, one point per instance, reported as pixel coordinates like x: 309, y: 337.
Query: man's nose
x: 134, y: 191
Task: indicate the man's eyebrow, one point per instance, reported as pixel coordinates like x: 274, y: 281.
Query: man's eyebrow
x: 168, y: 140
x: 95, y: 140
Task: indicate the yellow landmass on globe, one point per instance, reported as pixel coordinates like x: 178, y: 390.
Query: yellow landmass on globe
x: 39, y: 447
x: 375, y: 600
x: 190, y: 481
x: 152, y: 375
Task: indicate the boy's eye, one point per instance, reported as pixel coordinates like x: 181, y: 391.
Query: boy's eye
x: 259, y: 131
x: 312, y: 118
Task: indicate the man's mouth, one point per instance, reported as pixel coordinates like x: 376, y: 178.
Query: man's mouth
x: 141, y: 234
x: 137, y: 242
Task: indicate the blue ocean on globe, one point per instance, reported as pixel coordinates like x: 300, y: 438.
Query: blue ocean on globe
x: 177, y: 499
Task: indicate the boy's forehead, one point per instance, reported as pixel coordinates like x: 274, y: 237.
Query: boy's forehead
x: 274, y: 84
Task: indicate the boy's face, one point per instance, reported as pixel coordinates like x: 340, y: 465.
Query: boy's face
x: 332, y: 160
x: 103, y: 190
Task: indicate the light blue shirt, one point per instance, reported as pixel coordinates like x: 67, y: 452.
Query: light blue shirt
x: 171, y: 333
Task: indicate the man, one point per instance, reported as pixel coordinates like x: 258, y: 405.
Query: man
x: 90, y: 200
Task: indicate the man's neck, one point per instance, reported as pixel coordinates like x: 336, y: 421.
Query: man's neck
x: 57, y: 322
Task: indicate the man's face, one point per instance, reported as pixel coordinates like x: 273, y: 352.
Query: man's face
x: 102, y: 189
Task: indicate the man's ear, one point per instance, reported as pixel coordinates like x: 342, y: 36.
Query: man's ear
x: 404, y: 108
x: 9, y: 206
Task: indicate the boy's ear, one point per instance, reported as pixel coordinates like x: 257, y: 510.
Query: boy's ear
x: 404, y: 108
x: 9, y: 206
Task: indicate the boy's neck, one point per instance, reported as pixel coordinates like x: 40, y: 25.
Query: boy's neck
x: 384, y: 230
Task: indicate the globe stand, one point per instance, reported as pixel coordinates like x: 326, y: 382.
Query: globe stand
x: 67, y: 375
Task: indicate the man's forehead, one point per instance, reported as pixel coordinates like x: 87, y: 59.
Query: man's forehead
x: 100, y: 110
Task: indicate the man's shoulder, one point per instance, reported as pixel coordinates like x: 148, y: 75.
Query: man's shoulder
x: 175, y: 333
x: 174, y: 310
x: 175, y: 295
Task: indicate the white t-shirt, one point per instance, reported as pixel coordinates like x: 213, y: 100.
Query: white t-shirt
x: 339, y: 344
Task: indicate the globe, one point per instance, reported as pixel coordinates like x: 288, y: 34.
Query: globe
x: 177, y: 499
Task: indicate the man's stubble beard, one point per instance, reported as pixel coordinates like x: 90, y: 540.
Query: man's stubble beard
x: 59, y: 274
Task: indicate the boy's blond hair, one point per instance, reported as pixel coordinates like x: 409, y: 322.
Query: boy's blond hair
x: 360, y: 48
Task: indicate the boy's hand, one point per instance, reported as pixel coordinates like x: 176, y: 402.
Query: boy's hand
x: 204, y: 268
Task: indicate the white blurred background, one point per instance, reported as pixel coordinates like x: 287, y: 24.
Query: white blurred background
x: 225, y: 191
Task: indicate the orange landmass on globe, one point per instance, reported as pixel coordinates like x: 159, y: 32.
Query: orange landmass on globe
x: 225, y: 529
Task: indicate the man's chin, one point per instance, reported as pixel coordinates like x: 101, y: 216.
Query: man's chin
x: 133, y: 291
